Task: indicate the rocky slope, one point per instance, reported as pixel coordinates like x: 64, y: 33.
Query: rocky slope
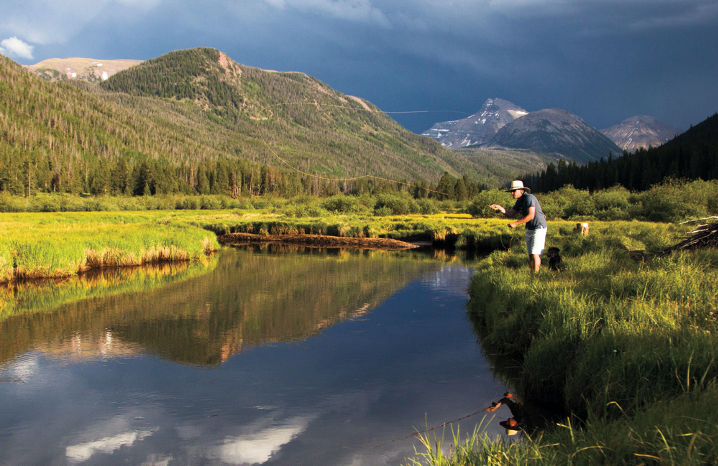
x: 555, y: 131
x: 640, y: 131
x: 85, y: 69
x: 479, y: 127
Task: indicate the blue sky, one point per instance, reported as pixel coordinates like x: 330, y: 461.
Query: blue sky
x: 604, y: 60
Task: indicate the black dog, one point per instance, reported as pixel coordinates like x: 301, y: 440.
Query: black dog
x: 554, y: 259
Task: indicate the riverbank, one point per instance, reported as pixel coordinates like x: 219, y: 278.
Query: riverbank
x: 627, y: 344
x: 57, y: 245
x: 62, y: 244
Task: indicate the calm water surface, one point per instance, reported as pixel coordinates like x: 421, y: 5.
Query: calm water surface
x: 263, y: 356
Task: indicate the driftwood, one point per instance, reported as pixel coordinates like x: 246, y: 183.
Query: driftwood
x: 704, y: 236
x: 317, y: 241
x: 715, y: 217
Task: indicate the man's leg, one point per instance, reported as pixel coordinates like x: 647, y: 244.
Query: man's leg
x: 534, y: 262
x: 535, y: 243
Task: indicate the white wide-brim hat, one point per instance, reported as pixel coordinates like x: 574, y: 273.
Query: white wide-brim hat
x: 518, y: 184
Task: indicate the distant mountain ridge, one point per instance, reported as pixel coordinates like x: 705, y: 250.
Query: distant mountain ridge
x: 288, y: 115
x: 640, y: 132
x: 503, y: 125
x: 478, y: 128
x: 555, y: 131
x: 195, y: 121
x: 84, y: 69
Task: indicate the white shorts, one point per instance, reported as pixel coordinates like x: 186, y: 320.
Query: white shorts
x: 536, y: 241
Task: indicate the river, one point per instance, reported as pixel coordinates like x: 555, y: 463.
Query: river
x: 265, y: 355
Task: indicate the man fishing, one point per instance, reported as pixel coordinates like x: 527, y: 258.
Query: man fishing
x: 531, y: 214
x: 516, y: 421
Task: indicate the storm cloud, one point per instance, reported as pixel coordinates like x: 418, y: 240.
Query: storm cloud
x: 604, y: 60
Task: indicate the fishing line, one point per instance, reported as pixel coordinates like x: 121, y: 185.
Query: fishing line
x: 365, y: 109
x: 415, y: 434
x: 419, y: 433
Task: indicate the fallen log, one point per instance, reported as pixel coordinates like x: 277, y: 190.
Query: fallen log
x: 317, y: 241
x: 704, y: 236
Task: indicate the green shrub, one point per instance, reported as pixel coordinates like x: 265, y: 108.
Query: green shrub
x: 341, y: 204
x: 395, y: 204
x: 383, y: 211
x: 479, y: 207
x: 676, y: 200
x: 427, y: 206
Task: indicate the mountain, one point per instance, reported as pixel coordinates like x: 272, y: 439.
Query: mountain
x: 691, y: 155
x: 554, y: 131
x: 479, y: 127
x: 195, y: 121
x: 640, y: 131
x: 288, y: 118
x: 85, y: 69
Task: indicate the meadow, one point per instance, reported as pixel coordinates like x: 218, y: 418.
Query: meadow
x: 55, y: 245
x: 623, y: 340
x: 55, y: 235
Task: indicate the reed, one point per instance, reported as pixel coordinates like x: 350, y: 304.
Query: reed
x: 54, y: 245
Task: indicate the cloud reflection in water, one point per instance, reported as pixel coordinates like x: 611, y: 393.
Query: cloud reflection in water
x: 258, y: 447
x: 84, y: 451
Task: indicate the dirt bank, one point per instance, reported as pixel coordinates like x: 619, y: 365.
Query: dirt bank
x: 317, y: 241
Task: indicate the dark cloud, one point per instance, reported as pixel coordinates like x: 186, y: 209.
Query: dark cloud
x: 604, y: 60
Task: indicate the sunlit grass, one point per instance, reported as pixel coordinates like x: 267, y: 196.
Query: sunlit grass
x: 52, y: 245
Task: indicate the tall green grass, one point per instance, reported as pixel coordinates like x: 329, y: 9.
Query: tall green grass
x: 58, y: 244
x: 681, y: 431
x: 62, y: 244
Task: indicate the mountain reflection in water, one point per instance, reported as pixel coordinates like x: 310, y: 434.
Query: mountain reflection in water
x: 247, y: 299
x: 265, y: 355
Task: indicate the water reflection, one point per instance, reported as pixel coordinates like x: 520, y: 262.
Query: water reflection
x: 84, y: 451
x: 247, y: 298
x: 268, y: 356
x: 521, y: 414
x: 258, y: 444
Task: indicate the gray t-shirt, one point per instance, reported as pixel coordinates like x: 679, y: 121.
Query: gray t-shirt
x: 522, y: 207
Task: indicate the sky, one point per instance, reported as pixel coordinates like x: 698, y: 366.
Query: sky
x: 603, y: 60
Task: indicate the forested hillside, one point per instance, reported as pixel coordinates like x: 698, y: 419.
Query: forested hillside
x: 691, y: 155
x: 194, y: 121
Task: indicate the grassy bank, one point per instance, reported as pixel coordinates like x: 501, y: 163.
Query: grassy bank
x: 629, y: 347
x: 60, y: 244
x: 53, y: 245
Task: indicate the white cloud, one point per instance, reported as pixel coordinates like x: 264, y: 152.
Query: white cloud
x: 84, y: 451
x: 14, y: 47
